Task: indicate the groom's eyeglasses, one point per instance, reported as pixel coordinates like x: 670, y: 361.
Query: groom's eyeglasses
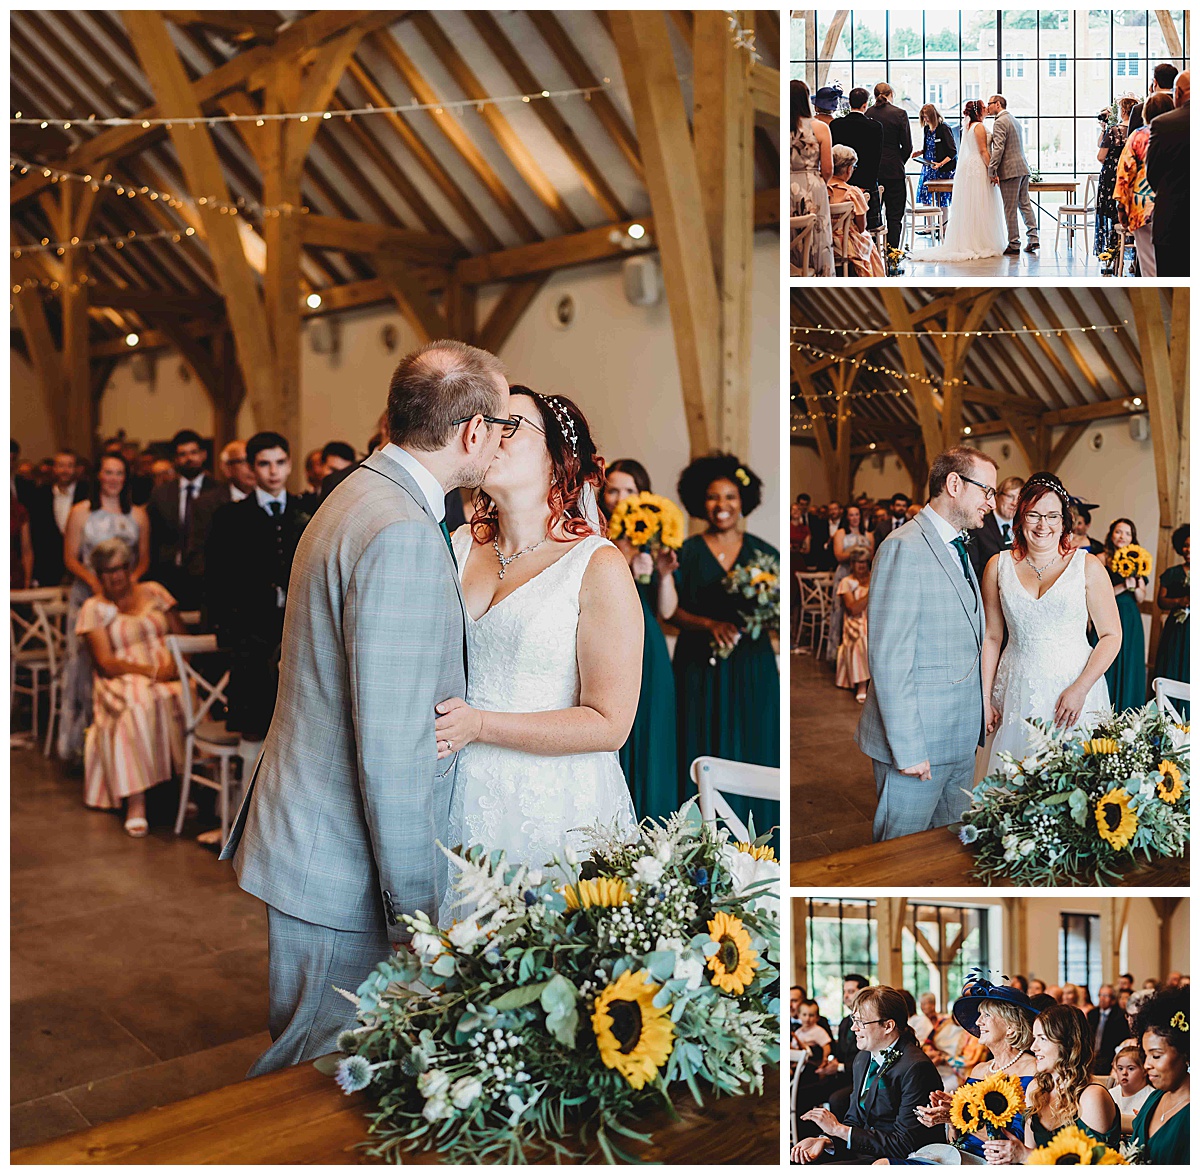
x: 988, y: 492
x: 509, y: 424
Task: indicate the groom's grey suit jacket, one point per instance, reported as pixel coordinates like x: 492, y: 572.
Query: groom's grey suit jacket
x: 924, y: 638
x: 1007, y: 153
x: 338, y: 826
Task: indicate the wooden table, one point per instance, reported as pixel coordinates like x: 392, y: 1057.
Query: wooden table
x: 299, y: 1116
x: 933, y: 858
x: 1067, y: 186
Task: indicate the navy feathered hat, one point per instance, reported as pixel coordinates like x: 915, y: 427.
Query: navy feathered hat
x: 977, y: 989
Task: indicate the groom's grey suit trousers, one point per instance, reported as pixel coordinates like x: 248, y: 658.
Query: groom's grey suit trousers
x: 339, y: 828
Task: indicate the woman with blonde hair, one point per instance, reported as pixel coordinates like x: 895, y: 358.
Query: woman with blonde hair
x: 1061, y: 1092
x: 864, y: 255
x: 939, y: 156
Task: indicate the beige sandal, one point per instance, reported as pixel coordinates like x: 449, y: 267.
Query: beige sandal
x: 137, y: 826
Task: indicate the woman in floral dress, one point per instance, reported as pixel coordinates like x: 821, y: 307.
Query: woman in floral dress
x: 812, y: 166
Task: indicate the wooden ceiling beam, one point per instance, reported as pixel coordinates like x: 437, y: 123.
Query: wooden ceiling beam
x: 1068, y: 440
x: 763, y: 86
x: 1048, y: 385
x: 1102, y: 410
x: 148, y: 300
x: 508, y: 311
x: 1099, y: 342
x: 922, y: 394
x: 243, y: 26
x: 358, y: 236
x: 411, y: 297
x: 1068, y: 338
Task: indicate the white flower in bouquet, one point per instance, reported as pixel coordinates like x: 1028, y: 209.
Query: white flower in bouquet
x: 437, y: 1108
x: 746, y: 871
x: 427, y: 946
x: 688, y: 966
x: 648, y: 870
x: 464, y: 935
x: 434, y: 1083
x: 466, y: 1091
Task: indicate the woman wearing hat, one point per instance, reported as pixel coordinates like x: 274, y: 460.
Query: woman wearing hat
x: 1061, y: 1093
x: 1002, y: 1020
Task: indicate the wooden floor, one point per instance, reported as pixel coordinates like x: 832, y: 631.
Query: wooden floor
x: 138, y: 968
x: 1074, y: 262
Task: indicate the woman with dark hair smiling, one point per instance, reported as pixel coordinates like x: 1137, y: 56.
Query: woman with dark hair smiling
x: 648, y: 757
x: 1162, y: 1127
x: 728, y: 706
x: 1044, y: 590
x: 1126, y: 676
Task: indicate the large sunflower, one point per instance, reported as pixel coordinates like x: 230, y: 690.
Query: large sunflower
x: 734, y: 962
x: 1171, y: 787
x: 634, y: 1037
x: 600, y: 891
x: 1001, y: 1099
x: 964, y: 1109
x: 1070, y: 1145
x: 1101, y: 746
x: 758, y: 852
x: 1116, y: 821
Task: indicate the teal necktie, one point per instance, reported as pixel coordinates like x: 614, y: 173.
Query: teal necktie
x: 446, y: 535
x: 960, y: 545
x: 869, y: 1080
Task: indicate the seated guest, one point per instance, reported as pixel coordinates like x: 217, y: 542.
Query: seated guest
x: 136, y: 735
x: 1061, y: 1093
x: 853, y: 671
x: 1132, y: 193
x: 892, y: 1078
x: 1162, y: 1128
x: 1036, y: 987
x: 863, y: 253
x: 1133, y: 1086
x: 1108, y: 1027
x: 854, y: 129
x: 810, y: 1036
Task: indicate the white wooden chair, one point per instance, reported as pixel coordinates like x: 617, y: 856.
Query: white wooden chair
x: 802, y: 230
x: 53, y: 616
x: 207, y: 742
x: 1076, y: 217
x: 929, y: 215
x: 815, y: 590
x: 797, y: 1058
x: 1167, y: 692
x: 879, y: 235
x: 716, y: 778
x: 33, y: 663
x: 841, y: 217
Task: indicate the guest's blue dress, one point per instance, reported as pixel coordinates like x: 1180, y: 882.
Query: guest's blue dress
x: 928, y: 159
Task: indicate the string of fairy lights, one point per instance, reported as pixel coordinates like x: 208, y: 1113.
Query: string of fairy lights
x: 985, y: 333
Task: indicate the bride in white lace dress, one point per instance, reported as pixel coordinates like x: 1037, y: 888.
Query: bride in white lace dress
x: 1045, y: 590
x: 976, y: 226
x: 554, y: 636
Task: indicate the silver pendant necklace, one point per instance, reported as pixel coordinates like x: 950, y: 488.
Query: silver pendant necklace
x: 505, y: 560
x: 1039, y: 570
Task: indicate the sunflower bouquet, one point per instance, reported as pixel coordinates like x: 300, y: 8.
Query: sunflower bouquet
x: 1078, y: 809
x: 1131, y: 561
x: 992, y: 1104
x: 755, y: 586
x: 572, y: 997
x: 649, y: 522
x: 1072, y: 1145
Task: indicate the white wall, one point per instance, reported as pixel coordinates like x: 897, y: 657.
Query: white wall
x: 29, y: 421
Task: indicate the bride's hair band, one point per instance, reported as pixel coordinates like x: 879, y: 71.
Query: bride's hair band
x: 563, y: 417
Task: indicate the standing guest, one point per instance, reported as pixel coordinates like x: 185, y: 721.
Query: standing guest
x: 851, y: 543
x: 812, y: 166
x: 893, y: 517
x: 1132, y: 1088
x: 821, y: 555
x: 799, y: 539
x: 648, y: 757
x: 1070, y: 995
x: 23, y: 486
x: 20, y: 546
x: 1061, y: 1094
x: 238, y: 482
x: 337, y: 455
x: 1036, y: 987
x: 175, y: 558
x: 1126, y: 676
x: 853, y: 670
x: 48, y: 514
x: 249, y: 561
x: 1173, y: 659
x: 1163, y: 82
x: 863, y: 254
x: 893, y: 158
x: 1081, y: 522
x: 826, y: 102
x: 818, y: 527
x: 1109, y: 1027
x: 162, y: 472
x: 996, y: 533
x: 1162, y: 1127
x: 939, y: 156
x: 314, y: 473
x: 865, y: 137
x: 135, y: 740
x: 1168, y: 170
x: 727, y: 706
x: 1111, y: 144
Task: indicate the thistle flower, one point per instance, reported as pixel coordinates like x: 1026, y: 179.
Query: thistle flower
x: 353, y: 1073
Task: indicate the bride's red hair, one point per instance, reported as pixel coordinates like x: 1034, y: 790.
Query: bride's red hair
x: 574, y: 464
x: 1041, y: 485
x: 974, y: 110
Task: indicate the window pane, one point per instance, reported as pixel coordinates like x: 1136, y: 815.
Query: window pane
x: 1093, y: 33
x: 869, y: 33
x: 824, y: 22
x: 1157, y: 49
x: 904, y: 34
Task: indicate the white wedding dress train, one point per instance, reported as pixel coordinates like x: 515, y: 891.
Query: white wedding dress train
x: 976, y: 226
x: 1047, y: 650
x: 523, y: 658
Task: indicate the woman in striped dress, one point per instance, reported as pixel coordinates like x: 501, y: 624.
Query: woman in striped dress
x: 136, y: 736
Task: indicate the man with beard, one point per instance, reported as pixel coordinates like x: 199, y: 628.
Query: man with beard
x: 176, y: 558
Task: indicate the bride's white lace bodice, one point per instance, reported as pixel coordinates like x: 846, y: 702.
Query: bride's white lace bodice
x: 1047, y: 650
x: 522, y: 658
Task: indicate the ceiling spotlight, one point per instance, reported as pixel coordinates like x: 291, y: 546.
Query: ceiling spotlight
x: 313, y: 301
x: 871, y: 446
x: 636, y: 231
x: 1137, y: 401
x: 131, y: 339
x: 966, y: 430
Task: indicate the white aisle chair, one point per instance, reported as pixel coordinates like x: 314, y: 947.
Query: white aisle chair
x: 207, y: 742
x: 815, y: 590
x: 1076, y: 217
x: 53, y: 616
x: 1168, y: 691
x: 802, y: 230
x: 841, y: 217
x: 797, y: 1058
x: 930, y: 216
x: 32, y: 660
x: 716, y: 778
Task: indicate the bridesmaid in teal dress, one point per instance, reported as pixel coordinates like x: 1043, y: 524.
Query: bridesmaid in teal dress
x: 1061, y: 1093
x: 1126, y: 676
x: 648, y: 757
x: 728, y: 707
x: 1162, y: 1126
x: 1175, y: 599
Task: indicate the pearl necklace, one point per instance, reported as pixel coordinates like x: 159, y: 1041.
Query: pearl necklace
x: 505, y: 560
x: 1009, y: 1065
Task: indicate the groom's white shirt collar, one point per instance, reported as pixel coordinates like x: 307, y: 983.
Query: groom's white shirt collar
x: 948, y: 533
x: 429, y: 485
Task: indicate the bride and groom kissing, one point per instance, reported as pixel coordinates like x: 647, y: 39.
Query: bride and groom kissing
x: 942, y: 676
x: 465, y: 689
x: 991, y: 185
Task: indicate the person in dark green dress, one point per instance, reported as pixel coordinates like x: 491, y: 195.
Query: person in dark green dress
x: 1174, y: 598
x: 727, y: 706
x: 648, y: 757
x: 1163, y: 1025
x: 1061, y: 1093
x: 1126, y: 676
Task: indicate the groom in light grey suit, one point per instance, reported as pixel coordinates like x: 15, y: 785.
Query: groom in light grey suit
x: 1009, y: 168
x: 338, y: 827
x: 923, y: 717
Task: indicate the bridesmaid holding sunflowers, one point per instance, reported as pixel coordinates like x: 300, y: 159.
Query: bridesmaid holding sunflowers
x: 1126, y: 676
x: 728, y: 704
x: 648, y: 757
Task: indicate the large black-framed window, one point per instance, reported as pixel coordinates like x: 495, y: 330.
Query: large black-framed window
x: 842, y: 939
x: 940, y: 945
x: 1056, y: 67
x: 1079, y: 959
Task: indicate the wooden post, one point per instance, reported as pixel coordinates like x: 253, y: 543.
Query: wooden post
x: 800, y: 943
x: 890, y: 920
x: 914, y: 361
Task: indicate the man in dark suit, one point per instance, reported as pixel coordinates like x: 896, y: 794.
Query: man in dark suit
x: 865, y: 136
x: 1164, y: 80
x: 1168, y: 171
x: 818, y: 528
x: 891, y: 1078
x: 893, y: 158
x: 996, y: 533
x: 897, y: 516
x: 48, y: 510
x: 238, y: 484
x: 176, y: 559
x: 1109, y: 1026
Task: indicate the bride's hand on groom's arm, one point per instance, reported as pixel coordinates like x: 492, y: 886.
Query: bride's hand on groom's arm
x: 457, y: 725
x: 993, y: 719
